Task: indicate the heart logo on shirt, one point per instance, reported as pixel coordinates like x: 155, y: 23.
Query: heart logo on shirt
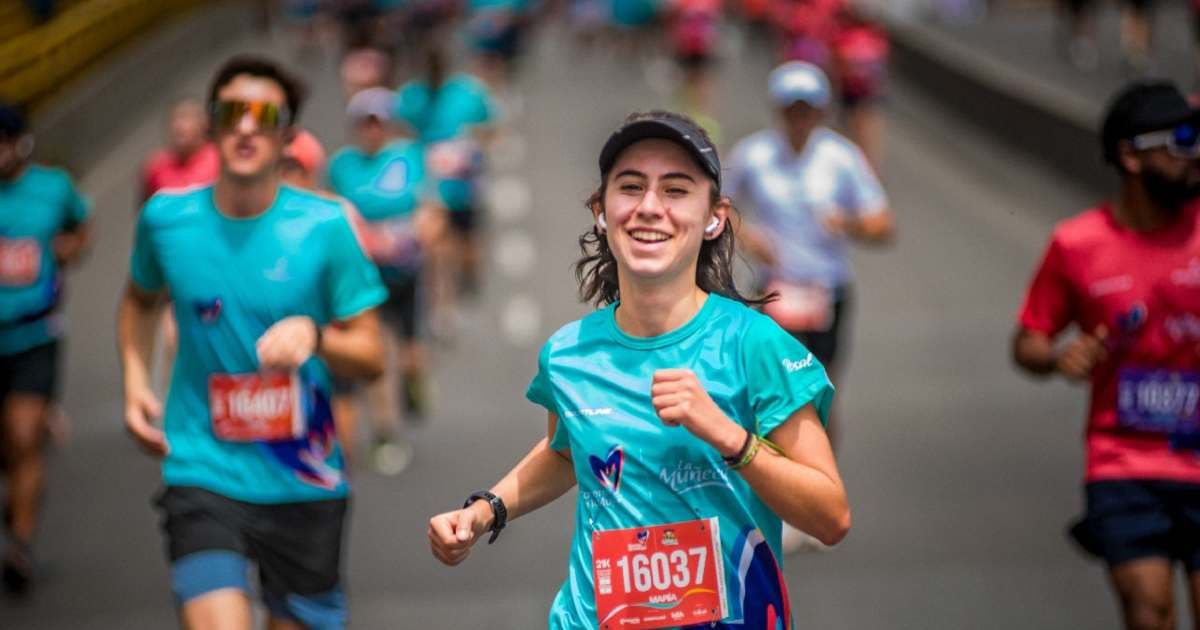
x: 608, y: 470
x: 207, y: 310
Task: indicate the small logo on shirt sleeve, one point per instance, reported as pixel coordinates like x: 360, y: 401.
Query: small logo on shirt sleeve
x: 796, y: 366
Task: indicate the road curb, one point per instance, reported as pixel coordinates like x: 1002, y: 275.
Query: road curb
x: 1044, y: 120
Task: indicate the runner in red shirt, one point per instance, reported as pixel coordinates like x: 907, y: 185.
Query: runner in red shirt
x: 189, y: 158
x: 1126, y: 274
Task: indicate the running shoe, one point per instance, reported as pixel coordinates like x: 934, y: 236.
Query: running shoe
x: 416, y: 398
x: 390, y: 457
x: 17, y: 573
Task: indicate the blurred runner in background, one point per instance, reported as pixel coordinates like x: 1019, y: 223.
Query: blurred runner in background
x: 257, y: 273
x: 43, y: 231
x: 1076, y: 32
x: 303, y: 166
x: 383, y: 175
x: 807, y: 192
x: 682, y: 506
x: 633, y: 23
x: 497, y: 31
x: 454, y: 117
x: 805, y: 28
x: 1126, y: 276
x: 189, y: 158
x: 693, y: 40
x: 1137, y: 35
x: 364, y: 66
x: 861, y: 52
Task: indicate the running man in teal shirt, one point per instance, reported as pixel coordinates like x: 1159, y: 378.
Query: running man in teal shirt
x: 43, y: 230
x: 257, y: 273
x: 692, y: 424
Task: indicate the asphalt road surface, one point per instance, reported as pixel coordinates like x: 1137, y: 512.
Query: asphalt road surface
x: 962, y: 474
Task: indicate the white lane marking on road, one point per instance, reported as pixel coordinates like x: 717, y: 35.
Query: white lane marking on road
x: 509, y: 198
x: 515, y: 253
x: 660, y: 75
x: 521, y: 320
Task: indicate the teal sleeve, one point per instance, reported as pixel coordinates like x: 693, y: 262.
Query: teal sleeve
x: 782, y: 376
x: 408, y: 106
x: 77, y: 206
x: 352, y: 281
x: 144, y: 267
x: 332, y: 179
x: 541, y: 392
x: 485, y: 109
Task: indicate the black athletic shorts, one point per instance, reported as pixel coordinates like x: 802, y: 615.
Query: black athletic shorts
x: 1134, y: 519
x: 464, y: 222
x: 211, y: 541
x: 402, y: 307
x: 695, y: 61
x: 33, y: 371
x: 824, y: 344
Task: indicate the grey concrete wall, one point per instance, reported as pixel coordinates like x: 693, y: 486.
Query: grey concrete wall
x: 1055, y: 127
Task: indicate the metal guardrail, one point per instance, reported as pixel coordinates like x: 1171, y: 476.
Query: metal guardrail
x: 34, y: 63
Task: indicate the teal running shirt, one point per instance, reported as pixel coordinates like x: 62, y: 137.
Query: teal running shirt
x: 230, y: 280
x: 38, y: 205
x: 635, y: 472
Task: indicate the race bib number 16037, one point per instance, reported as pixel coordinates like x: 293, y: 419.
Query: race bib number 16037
x: 659, y: 577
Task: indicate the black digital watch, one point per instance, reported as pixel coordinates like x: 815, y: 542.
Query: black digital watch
x: 499, y: 511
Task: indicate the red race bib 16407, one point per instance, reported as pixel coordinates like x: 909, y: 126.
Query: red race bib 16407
x: 659, y: 577
x: 256, y: 407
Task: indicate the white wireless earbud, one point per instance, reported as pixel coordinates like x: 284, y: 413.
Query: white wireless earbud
x: 601, y: 222
x: 712, y: 227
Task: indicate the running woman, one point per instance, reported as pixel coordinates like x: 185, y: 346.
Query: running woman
x: 43, y: 231
x: 257, y: 272
x: 691, y: 423
x: 383, y: 175
x: 1126, y: 276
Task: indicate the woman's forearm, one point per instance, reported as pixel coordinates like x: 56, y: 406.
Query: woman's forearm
x: 801, y: 495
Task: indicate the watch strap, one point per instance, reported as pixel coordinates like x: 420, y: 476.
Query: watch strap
x: 499, y: 511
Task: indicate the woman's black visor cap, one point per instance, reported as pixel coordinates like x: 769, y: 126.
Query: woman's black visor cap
x: 677, y: 131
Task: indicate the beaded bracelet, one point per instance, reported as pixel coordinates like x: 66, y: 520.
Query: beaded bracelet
x: 748, y: 455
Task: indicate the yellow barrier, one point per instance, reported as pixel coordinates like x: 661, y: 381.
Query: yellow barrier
x: 36, y: 62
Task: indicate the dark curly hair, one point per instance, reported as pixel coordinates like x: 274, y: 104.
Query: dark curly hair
x: 596, y: 270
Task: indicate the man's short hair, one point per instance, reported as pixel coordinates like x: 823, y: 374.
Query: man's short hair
x: 262, y: 67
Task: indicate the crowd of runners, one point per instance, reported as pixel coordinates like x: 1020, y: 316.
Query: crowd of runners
x: 274, y: 282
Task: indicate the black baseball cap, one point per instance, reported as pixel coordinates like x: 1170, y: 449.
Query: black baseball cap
x: 1141, y: 107
x: 660, y: 125
x: 12, y: 121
